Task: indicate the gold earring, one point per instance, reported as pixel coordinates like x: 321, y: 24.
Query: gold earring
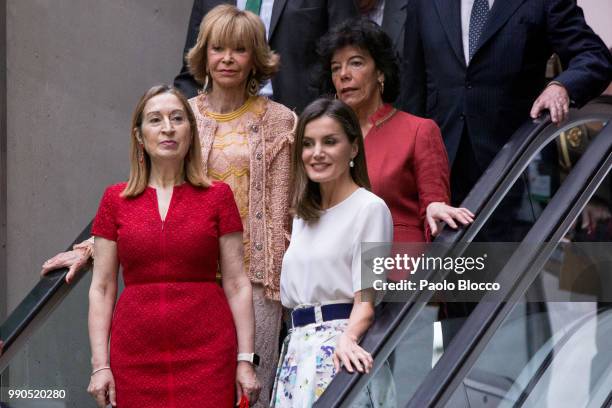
x: 381, y: 86
x: 253, y: 86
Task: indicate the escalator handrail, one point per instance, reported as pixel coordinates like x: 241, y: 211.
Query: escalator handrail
x: 33, y: 309
x: 518, y: 274
x: 395, y: 320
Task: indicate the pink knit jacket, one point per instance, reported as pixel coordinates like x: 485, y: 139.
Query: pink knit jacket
x: 270, y: 140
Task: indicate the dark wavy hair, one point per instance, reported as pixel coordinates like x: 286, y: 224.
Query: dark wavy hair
x: 364, y: 34
x: 306, y: 200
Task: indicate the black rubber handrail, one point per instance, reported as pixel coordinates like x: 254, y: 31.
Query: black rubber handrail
x: 35, y: 307
x: 518, y: 274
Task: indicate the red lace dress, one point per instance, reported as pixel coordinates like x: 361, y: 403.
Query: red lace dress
x: 173, y: 339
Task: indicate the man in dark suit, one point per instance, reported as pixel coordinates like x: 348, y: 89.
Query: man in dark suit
x: 293, y: 29
x: 477, y: 66
x: 394, y: 23
x: 390, y: 15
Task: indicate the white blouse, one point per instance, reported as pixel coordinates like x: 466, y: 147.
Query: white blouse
x: 323, y: 262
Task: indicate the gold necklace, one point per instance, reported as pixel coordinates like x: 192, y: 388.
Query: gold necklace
x: 226, y: 117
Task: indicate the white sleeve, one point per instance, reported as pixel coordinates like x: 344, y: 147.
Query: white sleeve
x: 373, y: 224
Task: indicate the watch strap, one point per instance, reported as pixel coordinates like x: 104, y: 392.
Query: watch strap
x: 249, y: 357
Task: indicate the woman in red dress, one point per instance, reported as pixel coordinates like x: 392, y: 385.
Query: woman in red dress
x: 174, y: 334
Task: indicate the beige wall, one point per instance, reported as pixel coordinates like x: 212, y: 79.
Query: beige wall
x: 75, y: 72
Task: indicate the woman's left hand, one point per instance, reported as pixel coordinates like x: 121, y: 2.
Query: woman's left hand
x: 349, y: 353
x: 247, y: 382
x: 440, y: 212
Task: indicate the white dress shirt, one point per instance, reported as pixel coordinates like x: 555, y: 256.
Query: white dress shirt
x: 466, y: 12
x: 377, y: 13
x: 265, y: 13
x: 323, y: 262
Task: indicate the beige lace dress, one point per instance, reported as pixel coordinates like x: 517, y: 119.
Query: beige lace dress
x: 249, y: 149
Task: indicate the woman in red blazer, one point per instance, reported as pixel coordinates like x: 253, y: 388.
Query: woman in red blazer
x: 406, y: 158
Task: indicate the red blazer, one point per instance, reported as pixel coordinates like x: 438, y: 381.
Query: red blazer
x: 408, y: 168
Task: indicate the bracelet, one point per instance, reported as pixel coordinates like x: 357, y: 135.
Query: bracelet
x: 99, y: 369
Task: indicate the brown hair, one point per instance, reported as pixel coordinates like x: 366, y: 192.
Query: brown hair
x: 140, y: 171
x: 306, y: 200
x: 230, y: 26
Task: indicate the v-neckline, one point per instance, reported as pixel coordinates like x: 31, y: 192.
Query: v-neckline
x: 170, y: 203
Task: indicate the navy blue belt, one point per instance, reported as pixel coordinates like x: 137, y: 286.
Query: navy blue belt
x: 308, y: 315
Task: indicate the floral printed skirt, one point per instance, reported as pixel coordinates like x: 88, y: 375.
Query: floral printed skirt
x: 306, y: 368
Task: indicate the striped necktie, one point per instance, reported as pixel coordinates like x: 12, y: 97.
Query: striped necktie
x: 253, y: 6
x: 480, y: 12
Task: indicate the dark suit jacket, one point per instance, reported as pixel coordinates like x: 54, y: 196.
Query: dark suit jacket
x: 394, y: 22
x: 295, y: 28
x: 492, y: 96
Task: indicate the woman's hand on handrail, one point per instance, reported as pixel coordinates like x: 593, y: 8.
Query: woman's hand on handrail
x: 74, y: 260
x: 440, y: 212
x: 348, y: 353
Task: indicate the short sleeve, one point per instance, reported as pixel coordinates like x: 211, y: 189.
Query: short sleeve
x: 228, y: 216
x: 374, y: 224
x: 105, y: 224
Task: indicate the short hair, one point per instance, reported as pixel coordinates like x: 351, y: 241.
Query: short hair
x: 306, y: 200
x: 141, y: 170
x: 367, y: 35
x: 227, y: 25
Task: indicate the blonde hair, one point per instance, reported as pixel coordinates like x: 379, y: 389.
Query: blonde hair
x: 229, y: 26
x: 140, y: 170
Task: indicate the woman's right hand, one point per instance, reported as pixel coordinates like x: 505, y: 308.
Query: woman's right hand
x: 102, y: 388
x: 247, y: 382
x: 441, y: 212
x: 348, y: 353
x: 74, y: 260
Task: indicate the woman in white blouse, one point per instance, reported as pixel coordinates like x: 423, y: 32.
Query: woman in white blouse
x: 321, y: 273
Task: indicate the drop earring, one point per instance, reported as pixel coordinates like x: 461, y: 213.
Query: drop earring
x: 381, y: 86
x: 140, y: 152
x: 351, y: 164
x: 253, y: 86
